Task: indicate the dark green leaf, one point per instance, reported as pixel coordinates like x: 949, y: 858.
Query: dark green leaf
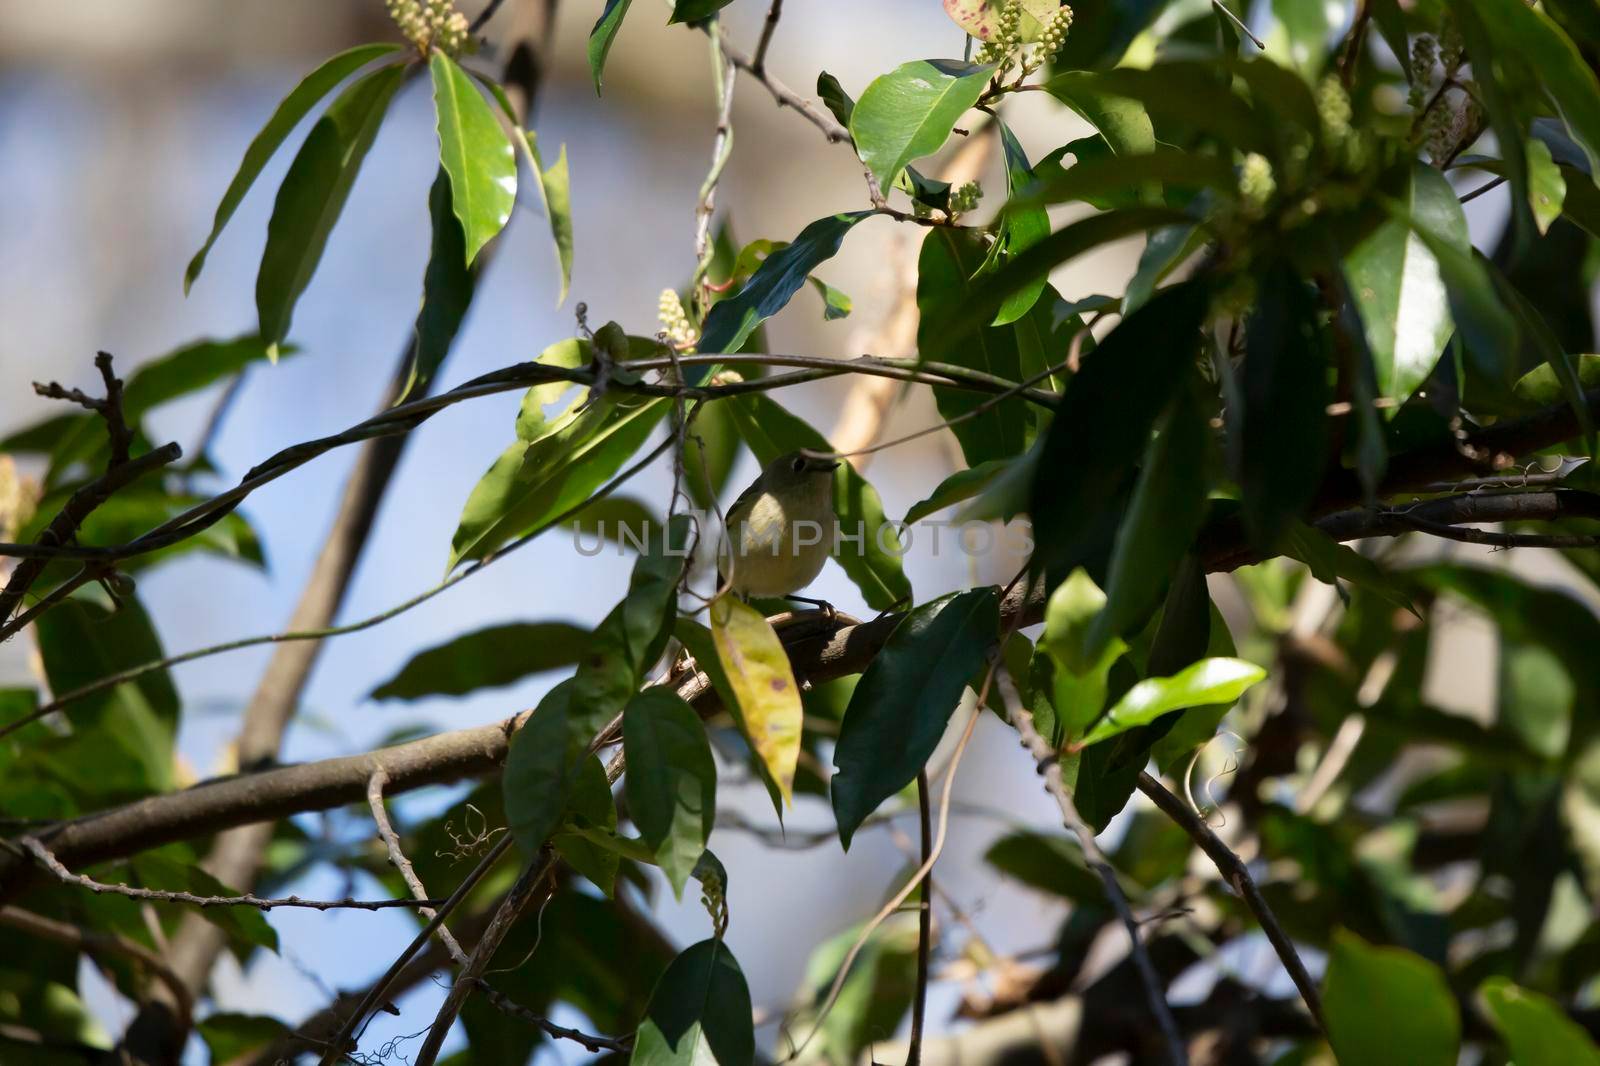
x: 1168, y: 506
x: 909, y: 112
x: 778, y: 279
x: 602, y: 35
x: 905, y: 698
x: 945, y: 271
x: 1049, y: 862
x: 592, y: 846
x: 834, y: 98
x: 244, y: 926
x: 699, y: 1010
x: 1102, y: 176
x: 229, y: 1037
x: 1539, y: 387
x: 1123, y: 122
x: 1329, y: 560
x: 1020, y: 227
x: 313, y: 194
x: 475, y: 152
x: 80, y: 643
x: 1282, y: 436
x: 672, y: 780
x: 871, y: 560
x: 1105, y: 419
x: 1102, y: 30
x: 540, y: 770
x: 486, y: 658
x: 1388, y: 1007
x: 447, y: 287
x: 291, y: 109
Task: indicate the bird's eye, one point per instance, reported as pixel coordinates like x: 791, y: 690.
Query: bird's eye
x: 799, y: 463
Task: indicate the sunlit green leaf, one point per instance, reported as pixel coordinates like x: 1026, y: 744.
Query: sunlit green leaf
x: 909, y: 112
x: 1206, y: 682
x: 475, y: 152
x: 1537, y: 1031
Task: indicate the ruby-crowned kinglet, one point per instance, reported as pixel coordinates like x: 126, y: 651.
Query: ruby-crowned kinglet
x: 780, y: 529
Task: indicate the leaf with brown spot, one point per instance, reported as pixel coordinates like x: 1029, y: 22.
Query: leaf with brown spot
x: 759, y: 675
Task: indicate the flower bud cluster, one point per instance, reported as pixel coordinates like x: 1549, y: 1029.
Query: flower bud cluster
x: 674, y: 322
x: 430, y: 24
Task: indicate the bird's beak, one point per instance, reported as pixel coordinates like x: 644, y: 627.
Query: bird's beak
x: 823, y: 464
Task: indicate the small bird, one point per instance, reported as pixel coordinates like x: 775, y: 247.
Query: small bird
x: 780, y: 530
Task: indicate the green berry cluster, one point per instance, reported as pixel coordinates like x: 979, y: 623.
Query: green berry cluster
x: 1053, y: 39
x: 965, y: 198
x: 674, y: 322
x: 1002, y: 48
x: 1006, y: 48
x: 430, y: 24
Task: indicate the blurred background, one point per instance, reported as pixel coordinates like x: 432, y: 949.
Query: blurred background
x: 120, y: 125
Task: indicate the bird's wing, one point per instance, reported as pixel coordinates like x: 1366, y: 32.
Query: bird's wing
x: 746, y: 499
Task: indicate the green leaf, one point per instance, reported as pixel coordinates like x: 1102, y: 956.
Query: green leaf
x: 1537, y: 1031
x: 1547, y: 189
x: 80, y: 643
x: 1020, y: 227
x: 485, y: 658
x: 532, y: 483
x: 699, y: 1012
x: 962, y: 485
x: 1098, y: 178
x: 766, y: 697
x: 555, y: 187
x: 1541, y: 340
x: 672, y: 780
x: 1388, y: 1007
x: 1535, y: 697
x: 629, y: 640
x: 290, y: 110
x: 1527, y: 41
x: 1300, y: 34
x: 447, y: 289
x: 695, y: 10
x: 1282, y: 435
x: 1397, y: 286
x: 1048, y: 862
x: 905, y: 698
x: 185, y: 370
x: 475, y: 152
x: 1329, y: 560
x: 313, y: 194
x: 229, y: 1036
x: 834, y: 98
x: 945, y: 270
x: 1540, y: 386
x: 909, y: 112
x: 835, y: 304
x: 590, y: 844
x: 244, y: 927
x: 1105, y: 419
x: 873, y: 998
x: 1079, y: 671
x: 1206, y: 682
x: 1163, y: 518
x: 1122, y: 121
x: 602, y: 35
x: 872, y: 559
x: 1187, y: 100
x: 539, y: 770
x: 776, y: 281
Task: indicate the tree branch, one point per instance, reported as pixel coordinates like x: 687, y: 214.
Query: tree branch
x: 1237, y: 875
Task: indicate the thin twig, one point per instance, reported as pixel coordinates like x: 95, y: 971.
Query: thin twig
x: 1493, y: 183
x: 758, y: 64
x: 1049, y: 766
x: 1235, y: 19
x: 725, y: 75
x: 919, y: 1000
x: 787, y: 97
x: 1237, y: 875
x: 48, y: 860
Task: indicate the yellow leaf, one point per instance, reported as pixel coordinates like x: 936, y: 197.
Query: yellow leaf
x: 759, y: 674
